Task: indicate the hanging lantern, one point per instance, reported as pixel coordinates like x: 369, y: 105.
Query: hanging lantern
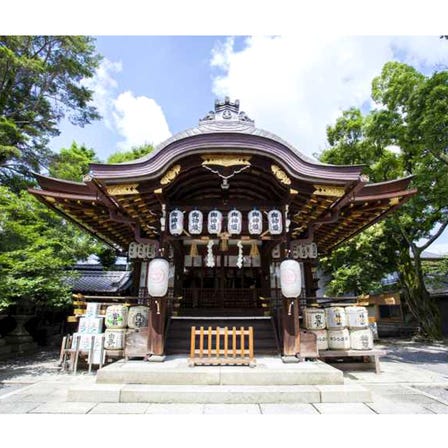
x: 214, y: 222
x: 195, y: 220
x: 290, y: 278
x: 275, y: 222
x: 234, y: 222
x: 158, y: 275
x: 176, y: 221
x: 255, y: 222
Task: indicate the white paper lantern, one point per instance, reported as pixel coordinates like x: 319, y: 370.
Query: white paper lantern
x: 158, y: 275
x: 176, y: 222
x: 255, y: 222
x: 214, y: 223
x: 275, y: 222
x: 290, y: 278
x: 195, y: 221
x: 234, y: 222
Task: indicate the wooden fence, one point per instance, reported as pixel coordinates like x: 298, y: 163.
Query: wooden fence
x: 222, y: 346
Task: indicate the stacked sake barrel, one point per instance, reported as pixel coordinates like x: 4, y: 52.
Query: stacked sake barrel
x: 116, y: 322
x: 315, y: 322
x: 361, y: 337
x: 339, y: 328
x: 118, y: 319
x: 338, y: 334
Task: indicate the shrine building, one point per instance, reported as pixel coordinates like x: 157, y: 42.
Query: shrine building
x: 221, y: 206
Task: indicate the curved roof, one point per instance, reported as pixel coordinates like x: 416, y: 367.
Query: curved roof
x: 224, y: 162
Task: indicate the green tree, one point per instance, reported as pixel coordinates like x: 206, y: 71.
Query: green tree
x: 40, y: 84
x: 72, y: 163
x: 133, y: 154
x: 36, y: 249
x: 399, y: 121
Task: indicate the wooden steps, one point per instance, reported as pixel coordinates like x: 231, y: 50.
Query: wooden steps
x: 179, y: 332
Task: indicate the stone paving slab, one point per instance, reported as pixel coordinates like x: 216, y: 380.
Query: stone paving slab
x: 119, y: 408
x: 166, y: 408
x: 288, y: 408
x: 102, y: 393
x: 11, y: 407
x: 350, y: 393
x: 390, y: 407
x: 63, y: 408
x: 343, y: 408
x: 437, y: 408
x: 232, y: 409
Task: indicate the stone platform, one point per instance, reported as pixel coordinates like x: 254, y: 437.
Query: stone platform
x: 173, y: 381
x: 175, y: 371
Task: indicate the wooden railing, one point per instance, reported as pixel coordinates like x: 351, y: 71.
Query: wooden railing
x: 222, y: 346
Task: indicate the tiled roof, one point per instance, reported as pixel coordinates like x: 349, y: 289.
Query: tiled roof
x: 102, y: 281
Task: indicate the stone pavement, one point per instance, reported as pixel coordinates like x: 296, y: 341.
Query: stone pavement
x: 414, y: 380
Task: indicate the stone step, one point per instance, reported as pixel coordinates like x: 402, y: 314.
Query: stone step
x: 175, y: 371
x: 137, y: 393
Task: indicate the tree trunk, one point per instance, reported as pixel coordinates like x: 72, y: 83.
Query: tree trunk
x: 421, y: 305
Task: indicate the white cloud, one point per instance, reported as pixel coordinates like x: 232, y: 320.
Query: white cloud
x: 295, y: 86
x: 139, y: 120
x: 104, y: 86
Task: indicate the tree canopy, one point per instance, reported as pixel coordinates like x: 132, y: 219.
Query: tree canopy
x: 399, y: 138
x: 40, y: 84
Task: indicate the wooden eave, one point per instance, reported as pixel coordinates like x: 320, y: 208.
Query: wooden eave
x: 123, y: 203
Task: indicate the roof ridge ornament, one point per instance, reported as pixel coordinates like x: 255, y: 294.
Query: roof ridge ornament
x: 226, y: 111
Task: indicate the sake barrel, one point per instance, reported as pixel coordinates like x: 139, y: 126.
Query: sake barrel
x: 339, y: 339
x: 361, y: 339
x: 114, y: 339
x: 335, y: 317
x: 138, y: 316
x: 321, y: 338
x: 290, y: 278
x: 357, y: 317
x: 314, y: 318
x: 158, y: 276
x: 116, y: 316
x: 93, y: 309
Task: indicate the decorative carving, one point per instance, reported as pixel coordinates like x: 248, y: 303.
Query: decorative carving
x: 225, y: 160
x: 292, y: 191
x: 170, y: 175
x: 329, y: 190
x: 226, y: 111
x: 394, y: 201
x: 122, y: 189
x: 280, y: 175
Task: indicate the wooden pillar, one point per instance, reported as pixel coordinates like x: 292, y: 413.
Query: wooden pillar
x: 156, y: 326
x: 291, y: 328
